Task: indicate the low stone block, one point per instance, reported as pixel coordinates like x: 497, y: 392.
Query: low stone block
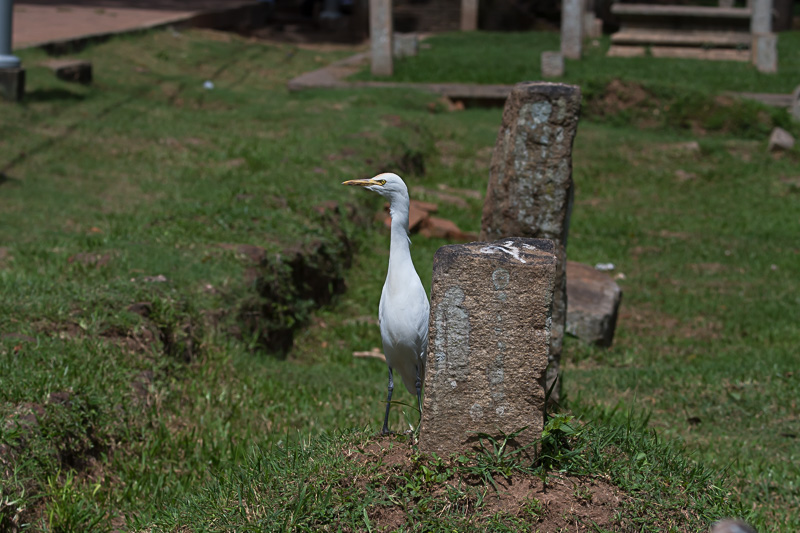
x: 593, y: 300
x: 552, y: 65
x: 405, y: 45
x: 795, y: 108
x: 489, y: 337
x: 12, y: 84
x: 76, y: 70
x: 780, y: 139
x: 765, y: 52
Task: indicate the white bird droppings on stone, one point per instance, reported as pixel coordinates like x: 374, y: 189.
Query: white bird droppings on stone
x: 507, y: 248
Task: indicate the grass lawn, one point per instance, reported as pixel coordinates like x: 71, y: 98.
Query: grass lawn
x: 137, y: 389
x: 486, y: 57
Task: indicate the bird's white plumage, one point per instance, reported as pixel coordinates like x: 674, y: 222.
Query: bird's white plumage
x: 404, y: 309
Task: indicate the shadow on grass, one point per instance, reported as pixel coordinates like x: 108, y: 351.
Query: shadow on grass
x: 49, y: 95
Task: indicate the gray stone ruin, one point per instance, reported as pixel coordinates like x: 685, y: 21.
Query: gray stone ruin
x: 381, y: 37
x: 530, y: 189
x: 572, y: 22
x: 488, y: 343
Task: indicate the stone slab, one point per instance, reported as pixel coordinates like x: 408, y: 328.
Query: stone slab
x: 741, y: 13
x: 707, y: 54
x: 76, y: 70
x: 779, y: 140
x: 626, y: 51
x: 12, y: 84
x: 673, y: 37
x: 552, y: 64
x: 795, y: 103
x: 489, y: 337
x: 593, y: 300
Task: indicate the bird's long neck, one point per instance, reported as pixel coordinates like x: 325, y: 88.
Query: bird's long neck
x: 400, y: 248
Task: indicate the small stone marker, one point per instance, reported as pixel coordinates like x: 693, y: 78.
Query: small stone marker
x: 77, y: 70
x: 380, y: 34
x: 488, y: 343
x: 530, y: 182
x: 552, y: 65
x: 780, y: 139
x: 765, y: 52
x: 405, y: 45
x: 593, y: 302
x: 795, y: 107
x: 572, y: 28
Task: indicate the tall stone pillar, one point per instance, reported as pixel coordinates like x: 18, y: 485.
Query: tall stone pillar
x: 572, y: 28
x: 761, y: 19
x: 381, y: 34
x: 469, y: 15
x: 530, y: 187
x: 488, y: 341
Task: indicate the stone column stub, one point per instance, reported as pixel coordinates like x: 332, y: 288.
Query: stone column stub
x: 572, y: 28
x: 530, y: 190
x: 489, y: 337
x: 381, y: 35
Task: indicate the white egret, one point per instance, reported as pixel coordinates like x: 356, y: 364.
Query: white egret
x: 404, y: 308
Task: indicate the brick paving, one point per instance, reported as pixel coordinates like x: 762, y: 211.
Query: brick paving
x: 39, y: 22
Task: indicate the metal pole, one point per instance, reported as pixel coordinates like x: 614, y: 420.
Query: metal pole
x: 6, y: 59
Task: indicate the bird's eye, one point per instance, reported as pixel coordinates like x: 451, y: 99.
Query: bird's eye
x: 382, y: 182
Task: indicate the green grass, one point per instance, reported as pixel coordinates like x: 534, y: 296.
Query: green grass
x: 146, y: 173
x: 493, y: 57
x: 346, y: 481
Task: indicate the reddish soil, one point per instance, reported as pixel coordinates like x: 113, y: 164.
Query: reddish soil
x: 566, y: 503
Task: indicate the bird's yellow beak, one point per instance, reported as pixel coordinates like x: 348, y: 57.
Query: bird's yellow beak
x: 363, y: 182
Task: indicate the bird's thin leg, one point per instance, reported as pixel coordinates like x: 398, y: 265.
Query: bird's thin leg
x: 418, y: 384
x: 385, y: 430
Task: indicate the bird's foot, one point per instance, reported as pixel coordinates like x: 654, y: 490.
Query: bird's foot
x: 386, y: 431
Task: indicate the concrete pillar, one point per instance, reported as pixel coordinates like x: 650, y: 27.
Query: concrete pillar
x: 530, y: 187
x: 572, y: 28
x: 469, y: 15
x: 381, y: 34
x: 488, y: 341
x: 6, y: 16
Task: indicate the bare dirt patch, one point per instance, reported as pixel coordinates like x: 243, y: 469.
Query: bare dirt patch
x: 643, y: 321
x: 563, y: 503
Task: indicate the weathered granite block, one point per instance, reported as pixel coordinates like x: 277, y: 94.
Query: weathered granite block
x: 594, y: 300
x: 530, y: 187
x: 552, y: 64
x: 488, y: 343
